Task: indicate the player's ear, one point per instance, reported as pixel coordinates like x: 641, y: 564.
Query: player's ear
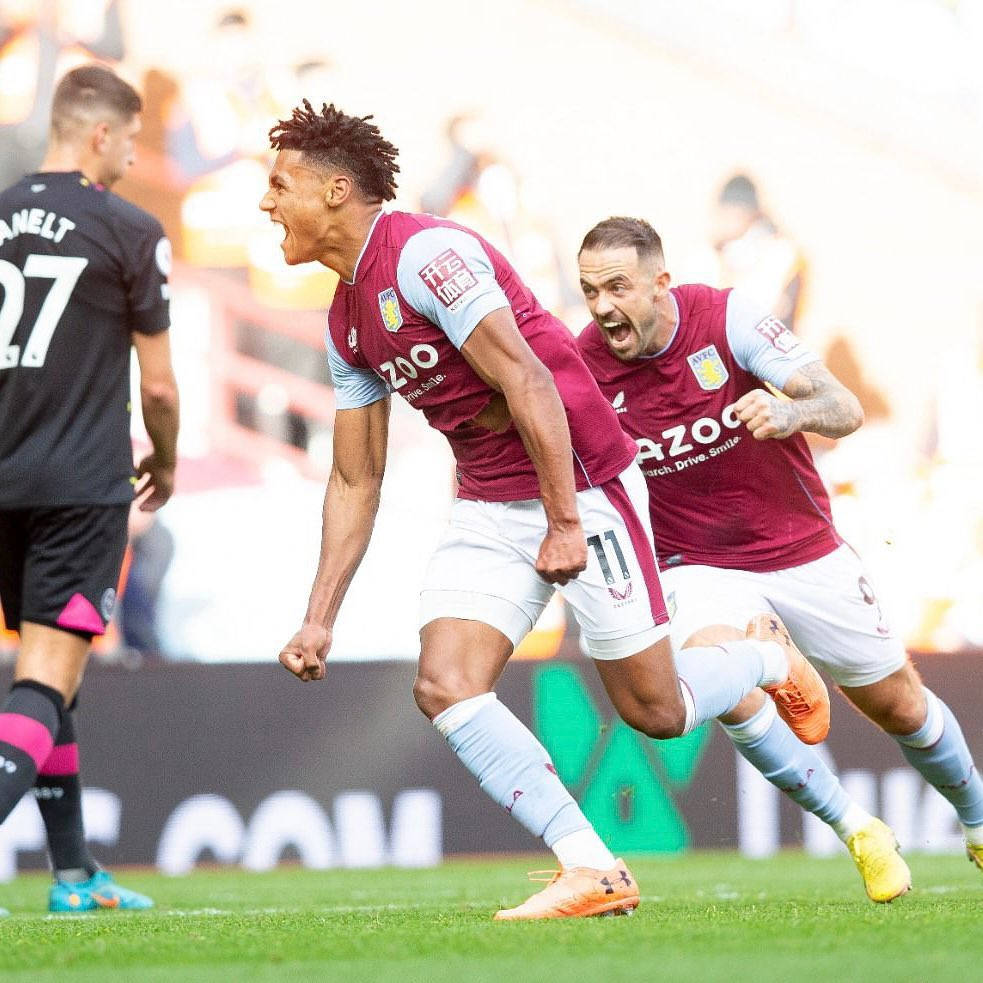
x: 338, y: 189
x: 99, y: 137
x: 662, y: 281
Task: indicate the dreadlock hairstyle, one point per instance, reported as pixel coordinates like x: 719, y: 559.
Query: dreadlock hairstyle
x: 330, y: 138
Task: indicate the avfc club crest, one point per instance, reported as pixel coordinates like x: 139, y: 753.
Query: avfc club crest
x: 392, y: 316
x: 709, y: 368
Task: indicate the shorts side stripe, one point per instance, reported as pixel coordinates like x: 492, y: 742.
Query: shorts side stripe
x: 618, y: 496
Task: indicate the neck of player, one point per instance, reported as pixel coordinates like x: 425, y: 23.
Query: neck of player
x: 65, y: 158
x: 665, y: 324
x: 349, y: 241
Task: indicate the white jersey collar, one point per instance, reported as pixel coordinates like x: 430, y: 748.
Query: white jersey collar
x: 672, y: 337
x: 365, y: 245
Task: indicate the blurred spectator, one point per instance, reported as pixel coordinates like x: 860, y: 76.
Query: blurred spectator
x: 754, y: 255
x: 151, y: 552
x: 223, y: 113
x: 459, y: 173
x: 478, y: 188
x: 41, y: 40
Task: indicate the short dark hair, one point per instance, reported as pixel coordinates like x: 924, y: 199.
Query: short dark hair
x: 331, y: 138
x: 620, y: 232
x: 87, y: 89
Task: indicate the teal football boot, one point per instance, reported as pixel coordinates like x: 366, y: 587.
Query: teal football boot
x: 100, y: 891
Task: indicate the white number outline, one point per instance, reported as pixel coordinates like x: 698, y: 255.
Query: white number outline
x: 65, y: 272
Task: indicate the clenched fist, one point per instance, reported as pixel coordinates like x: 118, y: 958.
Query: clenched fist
x: 563, y: 555
x: 305, y: 653
x: 766, y: 417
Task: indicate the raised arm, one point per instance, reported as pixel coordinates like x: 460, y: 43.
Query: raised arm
x: 817, y: 403
x: 500, y: 355
x: 805, y: 396
x: 350, y: 505
x: 159, y: 401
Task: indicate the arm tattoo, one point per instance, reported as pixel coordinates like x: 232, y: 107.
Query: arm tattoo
x: 820, y: 403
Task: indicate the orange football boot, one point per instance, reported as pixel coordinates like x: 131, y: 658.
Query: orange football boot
x: 802, y: 699
x: 578, y: 892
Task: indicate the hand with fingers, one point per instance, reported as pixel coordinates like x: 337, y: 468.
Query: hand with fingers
x: 562, y: 555
x: 766, y: 417
x: 155, y: 484
x: 305, y: 653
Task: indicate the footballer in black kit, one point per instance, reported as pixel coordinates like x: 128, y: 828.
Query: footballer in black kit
x: 83, y: 281
x: 80, y: 269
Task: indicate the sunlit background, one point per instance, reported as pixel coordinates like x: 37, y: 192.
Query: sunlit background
x: 825, y: 155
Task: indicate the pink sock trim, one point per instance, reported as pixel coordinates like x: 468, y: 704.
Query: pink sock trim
x: 30, y: 735
x: 63, y: 760
x: 80, y: 615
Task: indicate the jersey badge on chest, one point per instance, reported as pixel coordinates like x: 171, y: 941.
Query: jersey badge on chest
x: 709, y: 368
x: 392, y: 316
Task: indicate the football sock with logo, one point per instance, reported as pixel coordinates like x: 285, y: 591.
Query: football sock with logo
x: 515, y: 770
x: 715, y: 678
x: 796, y: 769
x: 59, y: 794
x: 29, y: 721
x: 938, y: 750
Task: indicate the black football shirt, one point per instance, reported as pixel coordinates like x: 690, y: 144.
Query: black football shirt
x: 80, y: 270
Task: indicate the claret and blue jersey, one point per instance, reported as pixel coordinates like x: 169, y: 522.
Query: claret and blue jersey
x: 420, y: 287
x: 717, y: 496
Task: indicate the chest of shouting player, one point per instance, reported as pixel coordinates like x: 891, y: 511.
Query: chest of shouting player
x: 679, y: 407
x: 413, y: 356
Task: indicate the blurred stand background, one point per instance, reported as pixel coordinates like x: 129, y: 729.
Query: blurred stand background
x: 824, y: 155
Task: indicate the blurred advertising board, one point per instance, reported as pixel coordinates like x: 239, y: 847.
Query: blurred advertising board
x: 240, y: 764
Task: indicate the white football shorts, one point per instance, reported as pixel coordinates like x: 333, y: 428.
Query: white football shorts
x: 485, y: 569
x: 828, y: 606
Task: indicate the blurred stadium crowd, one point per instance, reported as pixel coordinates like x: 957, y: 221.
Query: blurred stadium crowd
x: 787, y: 147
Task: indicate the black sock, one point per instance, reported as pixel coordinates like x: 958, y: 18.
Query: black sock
x: 29, y: 720
x: 59, y: 794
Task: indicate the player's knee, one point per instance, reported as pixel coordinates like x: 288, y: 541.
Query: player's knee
x: 660, y: 721
x: 434, y: 695
x: 903, y: 717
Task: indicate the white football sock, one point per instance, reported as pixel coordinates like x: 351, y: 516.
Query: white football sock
x: 583, y: 849
x: 515, y: 770
x: 852, y: 821
x: 718, y: 677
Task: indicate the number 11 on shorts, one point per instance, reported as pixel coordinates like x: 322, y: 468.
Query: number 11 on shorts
x: 596, y: 542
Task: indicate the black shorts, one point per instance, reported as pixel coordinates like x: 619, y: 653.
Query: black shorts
x: 60, y: 566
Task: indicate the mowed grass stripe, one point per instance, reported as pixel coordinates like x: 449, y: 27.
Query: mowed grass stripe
x: 703, y: 917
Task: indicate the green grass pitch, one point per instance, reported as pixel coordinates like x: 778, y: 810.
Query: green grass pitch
x: 704, y: 916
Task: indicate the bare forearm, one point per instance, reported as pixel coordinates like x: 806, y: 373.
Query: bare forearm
x: 347, y: 522
x: 161, y: 417
x: 541, y: 421
x: 820, y: 404
x: 831, y: 415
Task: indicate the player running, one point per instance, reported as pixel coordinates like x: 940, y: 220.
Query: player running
x: 83, y: 276
x: 743, y: 523
x: 549, y: 494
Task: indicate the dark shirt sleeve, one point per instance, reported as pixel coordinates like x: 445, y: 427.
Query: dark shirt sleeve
x: 148, y: 296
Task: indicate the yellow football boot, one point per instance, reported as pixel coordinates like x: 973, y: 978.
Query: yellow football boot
x: 975, y: 853
x: 875, y: 852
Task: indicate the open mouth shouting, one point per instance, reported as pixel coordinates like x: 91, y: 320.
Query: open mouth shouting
x: 619, y: 335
